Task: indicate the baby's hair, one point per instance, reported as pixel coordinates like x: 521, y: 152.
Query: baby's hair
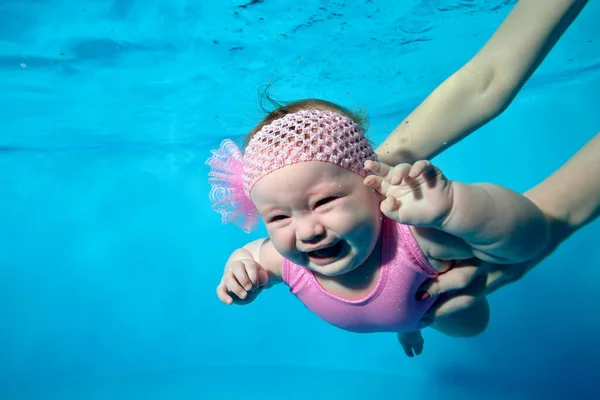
x: 281, y: 109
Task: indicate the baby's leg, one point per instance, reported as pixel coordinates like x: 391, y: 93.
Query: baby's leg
x: 411, y: 342
x: 465, y: 323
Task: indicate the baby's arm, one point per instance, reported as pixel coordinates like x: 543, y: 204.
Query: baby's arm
x: 500, y: 225
x: 497, y: 224
x: 248, y: 270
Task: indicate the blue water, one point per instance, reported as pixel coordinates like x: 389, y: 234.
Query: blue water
x: 110, y: 254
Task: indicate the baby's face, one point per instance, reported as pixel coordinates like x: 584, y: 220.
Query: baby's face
x: 319, y: 216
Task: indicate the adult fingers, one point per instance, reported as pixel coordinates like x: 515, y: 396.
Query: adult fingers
x: 459, y: 277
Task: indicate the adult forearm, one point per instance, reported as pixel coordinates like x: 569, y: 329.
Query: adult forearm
x: 571, y: 194
x: 498, y: 275
x: 451, y: 112
x: 570, y: 199
x: 484, y: 87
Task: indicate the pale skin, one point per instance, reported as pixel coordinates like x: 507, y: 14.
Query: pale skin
x: 326, y: 204
x: 569, y: 198
x: 485, y: 86
x: 471, y: 97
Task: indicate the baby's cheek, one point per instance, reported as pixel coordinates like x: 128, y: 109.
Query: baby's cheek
x: 283, y: 243
x: 359, y: 212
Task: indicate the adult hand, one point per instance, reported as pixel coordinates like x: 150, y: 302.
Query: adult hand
x: 466, y: 282
x: 472, y: 279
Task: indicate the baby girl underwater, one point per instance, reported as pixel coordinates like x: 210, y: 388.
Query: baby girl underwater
x: 353, y: 238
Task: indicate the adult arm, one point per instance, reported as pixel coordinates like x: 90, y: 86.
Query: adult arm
x: 485, y: 86
x: 570, y: 199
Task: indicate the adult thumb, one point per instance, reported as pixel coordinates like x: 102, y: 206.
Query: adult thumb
x: 459, y: 277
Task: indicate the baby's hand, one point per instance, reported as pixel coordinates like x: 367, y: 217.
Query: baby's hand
x: 242, y: 282
x: 417, y: 194
x: 411, y: 342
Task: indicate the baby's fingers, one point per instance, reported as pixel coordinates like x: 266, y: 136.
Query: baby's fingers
x: 377, y: 183
x: 223, y: 295
x: 392, y: 174
x: 233, y: 285
x: 420, y: 168
x: 241, y: 275
x: 258, y: 276
x: 390, y: 207
x: 399, y: 172
x: 377, y: 168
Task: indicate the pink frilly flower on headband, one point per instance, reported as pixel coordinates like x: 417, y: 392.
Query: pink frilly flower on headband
x: 227, y: 187
x: 306, y: 135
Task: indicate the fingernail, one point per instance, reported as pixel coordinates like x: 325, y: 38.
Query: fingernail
x: 423, y: 295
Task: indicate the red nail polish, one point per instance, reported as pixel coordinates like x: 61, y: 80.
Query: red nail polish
x: 423, y: 295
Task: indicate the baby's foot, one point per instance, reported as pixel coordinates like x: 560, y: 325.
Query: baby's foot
x: 417, y: 194
x: 412, y: 342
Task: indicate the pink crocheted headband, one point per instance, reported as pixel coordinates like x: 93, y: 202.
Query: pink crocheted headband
x: 307, y: 135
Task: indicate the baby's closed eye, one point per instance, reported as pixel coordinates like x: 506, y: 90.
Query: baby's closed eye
x: 325, y: 200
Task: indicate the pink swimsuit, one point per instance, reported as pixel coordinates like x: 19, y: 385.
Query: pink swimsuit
x: 391, y: 306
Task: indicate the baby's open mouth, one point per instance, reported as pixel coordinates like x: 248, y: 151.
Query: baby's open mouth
x: 327, y: 253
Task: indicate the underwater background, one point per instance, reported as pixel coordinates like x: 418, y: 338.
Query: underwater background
x: 110, y: 253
